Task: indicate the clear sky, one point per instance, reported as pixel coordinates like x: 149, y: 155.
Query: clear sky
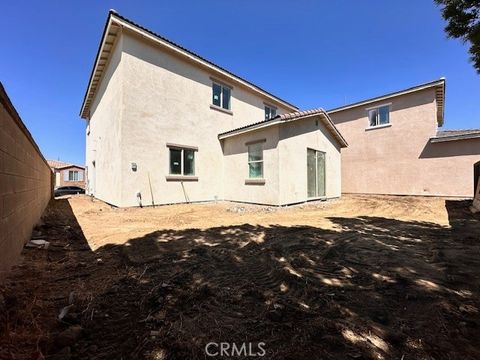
x: 310, y: 53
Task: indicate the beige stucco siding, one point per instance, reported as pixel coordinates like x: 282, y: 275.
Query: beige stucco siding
x: 103, y: 140
x: 399, y: 159
x: 284, y: 163
x: 295, y: 138
x: 235, y: 150
x: 150, y: 97
x: 167, y: 100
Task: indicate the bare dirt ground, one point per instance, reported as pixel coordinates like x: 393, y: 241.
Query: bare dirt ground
x: 363, y: 277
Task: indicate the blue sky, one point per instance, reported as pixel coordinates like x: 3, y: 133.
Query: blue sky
x: 310, y: 53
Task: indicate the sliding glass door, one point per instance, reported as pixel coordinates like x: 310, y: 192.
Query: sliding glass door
x: 315, y: 173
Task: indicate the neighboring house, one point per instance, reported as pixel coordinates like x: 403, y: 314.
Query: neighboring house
x: 167, y: 126
x: 396, y: 146
x: 67, y: 174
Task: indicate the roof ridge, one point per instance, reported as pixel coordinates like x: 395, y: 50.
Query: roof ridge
x: 61, y: 164
x: 284, y: 118
x: 300, y: 113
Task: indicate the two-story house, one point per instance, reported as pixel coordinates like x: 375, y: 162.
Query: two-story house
x: 165, y: 125
x: 397, y: 148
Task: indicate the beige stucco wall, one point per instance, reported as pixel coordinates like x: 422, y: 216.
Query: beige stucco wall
x: 150, y: 97
x: 25, y: 184
x: 295, y: 138
x: 235, y: 171
x: 284, y: 163
x: 103, y: 135
x: 399, y: 159
x: 164, y: 100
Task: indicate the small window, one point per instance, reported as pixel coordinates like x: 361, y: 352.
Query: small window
x: 255, y: 161
x: 270, y: 112
x: 182, y: 162
x: 72, y: 175
x: 379, y: 116
x: 221, y: 95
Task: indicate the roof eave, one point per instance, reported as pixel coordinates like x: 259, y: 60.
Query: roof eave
x: 102, y: 58
x: 439, y: 139
x: 70, y: 166
x: 440, y: 102
x: 439, y: 96
x: 277, y: 121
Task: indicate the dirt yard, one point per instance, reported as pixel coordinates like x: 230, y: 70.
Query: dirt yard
x: 360, y: 278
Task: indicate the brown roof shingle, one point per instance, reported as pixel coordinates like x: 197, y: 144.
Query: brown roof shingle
x: 57, y: 164
x: 292, y: 116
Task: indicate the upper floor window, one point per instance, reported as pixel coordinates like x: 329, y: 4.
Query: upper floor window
x: 221, y: 95
x: 255, y: 161
x: 379, y: 115
x: 182, y: 161
x: 270, y: 112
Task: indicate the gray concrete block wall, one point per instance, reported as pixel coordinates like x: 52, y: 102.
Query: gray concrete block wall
x: 26, y: 184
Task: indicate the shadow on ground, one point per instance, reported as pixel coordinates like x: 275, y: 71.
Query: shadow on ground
x: 375, y: 288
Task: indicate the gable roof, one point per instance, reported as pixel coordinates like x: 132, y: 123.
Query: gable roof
x: 439, y: 86
x: 115, y: 23
x: 454, y: 135
x: 281, y: 119
x: 57, y: 164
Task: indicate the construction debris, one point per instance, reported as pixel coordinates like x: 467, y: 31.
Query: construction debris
x: 39, y: 244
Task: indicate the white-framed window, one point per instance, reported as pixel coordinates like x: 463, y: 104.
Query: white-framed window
x: 270, y: 112
x: 379, y: 115
x: 221, y: 95
x: 73, y: 175
x: 255, y: 161
x: 182, y: 161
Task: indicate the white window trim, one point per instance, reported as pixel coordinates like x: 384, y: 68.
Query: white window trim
x: 316, y: 197
x: 182, y: 176
x: 260, y: 179
x: 73, y: 175
x: 265, y: 105
x: 379, y: 126
x: 221, y: 108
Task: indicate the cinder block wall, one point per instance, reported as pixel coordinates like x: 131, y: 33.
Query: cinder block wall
x: 26, y: 184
